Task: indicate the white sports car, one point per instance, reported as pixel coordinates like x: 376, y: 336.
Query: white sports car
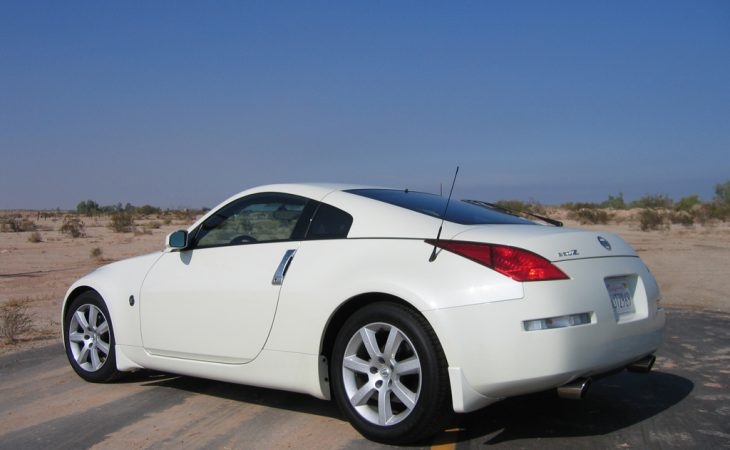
x: 400, y: 305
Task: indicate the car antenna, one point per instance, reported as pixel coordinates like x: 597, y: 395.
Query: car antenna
x: 432, y: 258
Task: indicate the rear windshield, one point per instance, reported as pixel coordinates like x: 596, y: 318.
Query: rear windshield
x: 433, y: 205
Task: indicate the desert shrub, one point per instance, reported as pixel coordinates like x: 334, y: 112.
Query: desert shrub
x: 154, y: 225
x: 147, y: 210
x: 35, y: 237
x: 73, y: 226
x: 577, y: 206
x: 14, y: 320
x: 532, y: 206
x: 686, y: 218
x: 591, y: 216
x: 653, y: 201
x: 651, y: 219
x: 96, y: 253
x: 17, y: 224
x: 122, y: 222
x: 715, y: 210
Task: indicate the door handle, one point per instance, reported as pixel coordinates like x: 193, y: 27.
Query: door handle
x: 283, y: 266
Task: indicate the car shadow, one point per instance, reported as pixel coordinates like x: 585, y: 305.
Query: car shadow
x: 272, y: 398
x: 611, y: 404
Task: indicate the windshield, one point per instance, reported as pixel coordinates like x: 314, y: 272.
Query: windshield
x: 434, y: 205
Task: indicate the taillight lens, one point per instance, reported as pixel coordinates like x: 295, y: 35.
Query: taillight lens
x: 516, y: 263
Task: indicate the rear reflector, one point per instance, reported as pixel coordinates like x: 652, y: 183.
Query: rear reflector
x: 516, y: 263
x: 550, y: 323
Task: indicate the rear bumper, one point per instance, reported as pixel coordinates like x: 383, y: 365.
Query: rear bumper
x: 491, y: 354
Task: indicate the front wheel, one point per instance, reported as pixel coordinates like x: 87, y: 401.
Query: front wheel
x: 89, y: 338
x: 389, y: 374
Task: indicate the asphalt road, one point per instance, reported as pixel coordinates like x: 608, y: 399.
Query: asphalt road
x: 683, y: 403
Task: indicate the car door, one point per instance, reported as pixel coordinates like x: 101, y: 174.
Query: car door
x: 216, y: 299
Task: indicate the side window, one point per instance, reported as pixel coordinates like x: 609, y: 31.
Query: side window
x: 329, y: 223
x: 256, y: 218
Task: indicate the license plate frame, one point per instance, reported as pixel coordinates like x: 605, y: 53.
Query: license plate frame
x: 620, y: 294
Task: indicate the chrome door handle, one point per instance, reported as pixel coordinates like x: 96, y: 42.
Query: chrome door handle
x: 283, y: 266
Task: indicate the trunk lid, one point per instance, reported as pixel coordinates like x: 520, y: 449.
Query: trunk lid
x: 553, y: 243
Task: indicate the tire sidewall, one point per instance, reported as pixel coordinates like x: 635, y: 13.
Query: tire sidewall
x: 108, y: 370
x: 430, y: 400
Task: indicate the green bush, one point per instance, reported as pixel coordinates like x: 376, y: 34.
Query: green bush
x: 615, y: 202
x: 688, y: 203
x: 722, y: 193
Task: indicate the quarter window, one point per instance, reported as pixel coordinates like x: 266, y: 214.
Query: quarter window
x: 329, y: 223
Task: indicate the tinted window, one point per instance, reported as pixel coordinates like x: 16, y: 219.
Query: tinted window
x: 256, y: 218
x: 434, y: 205
x: 329, y: 223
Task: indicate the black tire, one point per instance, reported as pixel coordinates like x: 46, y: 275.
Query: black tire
x: 395, y: 394
x: 89, y: 338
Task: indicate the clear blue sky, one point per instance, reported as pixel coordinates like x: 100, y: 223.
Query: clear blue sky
x: 184, y: 103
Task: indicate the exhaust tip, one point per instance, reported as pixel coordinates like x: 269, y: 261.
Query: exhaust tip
x: 643, y: 365
x: 575, y: 390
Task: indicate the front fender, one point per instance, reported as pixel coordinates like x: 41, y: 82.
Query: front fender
x: 117, y: 283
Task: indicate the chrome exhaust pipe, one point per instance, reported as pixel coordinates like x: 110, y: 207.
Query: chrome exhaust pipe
x: 575, y: 390
x: 643, y: 365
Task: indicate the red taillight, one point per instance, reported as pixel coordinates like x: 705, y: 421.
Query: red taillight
x: 516, y: 263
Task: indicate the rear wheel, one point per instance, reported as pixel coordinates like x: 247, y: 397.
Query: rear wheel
x: 89, y: 338
x: 389, y: 374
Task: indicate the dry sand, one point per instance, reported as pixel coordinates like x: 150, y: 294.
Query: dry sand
x: 690, y: 263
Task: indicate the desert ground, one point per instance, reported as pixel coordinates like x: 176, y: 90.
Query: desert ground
x: 690, y: 262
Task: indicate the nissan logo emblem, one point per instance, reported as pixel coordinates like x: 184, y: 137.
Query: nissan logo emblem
x: 604, y: 242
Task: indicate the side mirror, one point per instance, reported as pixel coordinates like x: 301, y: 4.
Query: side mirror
x: 178, y: 239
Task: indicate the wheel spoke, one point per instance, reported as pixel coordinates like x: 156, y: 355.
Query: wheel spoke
x: 81, y: 319
x: 95, y: 361
x: 103, y: 348
x: 391, y: 345
x: 405, y: 395
x: 83, y: 355
x: 385, y: 411
x: 356, y: 364
x: 93, y: 316
x: 102, y: 328
x: 363, y: 394
x: 367, y: 336
x: 75, y: 336
x: 408, y: 366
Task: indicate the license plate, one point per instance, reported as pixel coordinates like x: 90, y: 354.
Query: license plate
x: 620, y: 294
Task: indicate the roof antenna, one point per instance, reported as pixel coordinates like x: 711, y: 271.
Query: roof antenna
x: 432, y: 258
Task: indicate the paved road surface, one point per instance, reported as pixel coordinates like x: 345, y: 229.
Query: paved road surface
x: 683, y: 403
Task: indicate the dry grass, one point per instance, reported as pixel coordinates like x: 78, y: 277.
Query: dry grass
x: 14, y: 321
